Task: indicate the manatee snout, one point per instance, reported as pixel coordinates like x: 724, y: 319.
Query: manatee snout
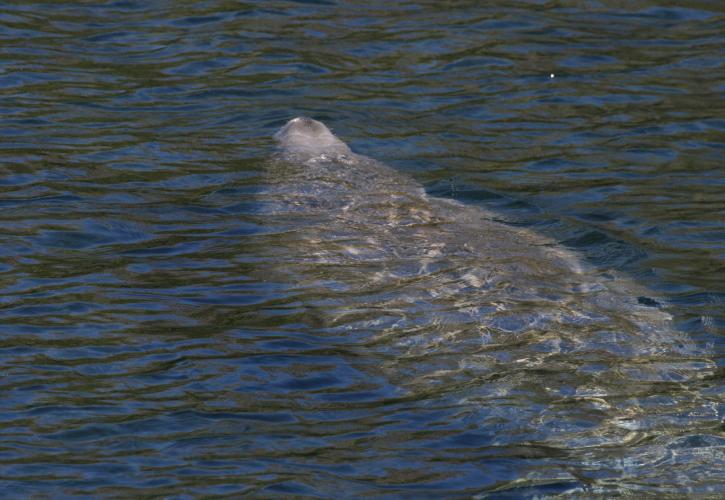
x: 308, y: 126
x: 307, y: 136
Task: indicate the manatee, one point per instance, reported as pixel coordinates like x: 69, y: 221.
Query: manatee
x: 446, y: 293
x: 449, y: 313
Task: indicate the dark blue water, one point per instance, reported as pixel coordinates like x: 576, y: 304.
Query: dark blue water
x: 163, y: 333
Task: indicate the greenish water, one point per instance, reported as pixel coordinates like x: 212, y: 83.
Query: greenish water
x: 170, y: 325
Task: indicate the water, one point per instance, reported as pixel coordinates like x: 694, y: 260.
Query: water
x: 165, y: 332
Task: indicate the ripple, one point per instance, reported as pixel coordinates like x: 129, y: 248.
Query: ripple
x: 175, y: 323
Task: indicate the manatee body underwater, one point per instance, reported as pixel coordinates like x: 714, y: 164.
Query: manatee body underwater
x: 450, y: 307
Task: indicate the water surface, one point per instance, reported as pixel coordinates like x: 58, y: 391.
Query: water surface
x: 163, y: 332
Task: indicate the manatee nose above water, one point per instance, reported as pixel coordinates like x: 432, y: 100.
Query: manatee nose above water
x: 308, y: 126
x: 304, y: 135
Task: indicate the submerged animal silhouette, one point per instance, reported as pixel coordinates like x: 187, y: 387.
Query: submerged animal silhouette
x: 425, y: 268
x: 444, y: 303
